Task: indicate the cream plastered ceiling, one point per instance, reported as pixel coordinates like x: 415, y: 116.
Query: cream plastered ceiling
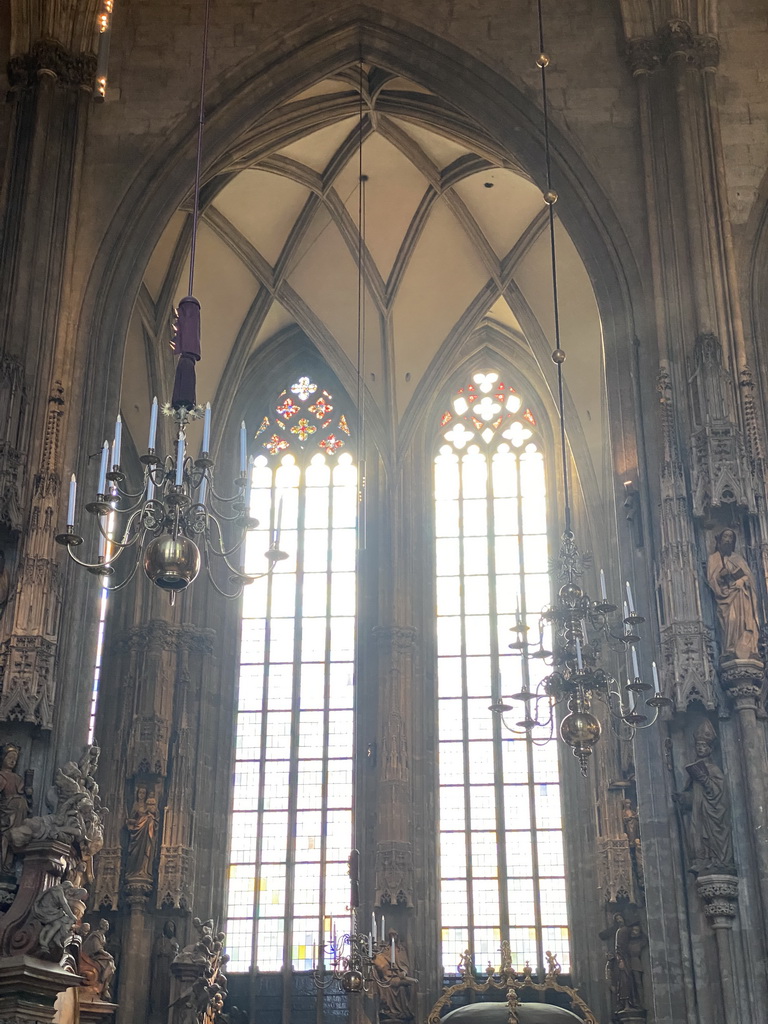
x: 455, y: 238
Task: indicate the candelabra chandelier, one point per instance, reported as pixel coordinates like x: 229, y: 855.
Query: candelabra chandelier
x: 581, y: 630
x: 580, y: 627
x: 177, y: 511
x: 354, y: 960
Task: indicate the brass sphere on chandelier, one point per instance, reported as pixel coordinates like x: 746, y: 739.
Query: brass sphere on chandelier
x: 172, y: 563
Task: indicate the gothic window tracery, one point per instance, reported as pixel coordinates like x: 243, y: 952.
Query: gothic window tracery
x: 501, y: 850
x: 292, y: 818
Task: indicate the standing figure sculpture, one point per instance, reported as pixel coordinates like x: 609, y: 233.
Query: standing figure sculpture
x: 95, y: 950
x: 705, y: 798
x: 391, y: 969
x: 166, y: 948
x: 14, y: 801
x: 733, y: 586
x: 142, y: 831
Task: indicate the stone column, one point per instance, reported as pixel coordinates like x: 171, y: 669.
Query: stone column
x: 394, y: 856
x: 742, y: 680
x: 719, y: 894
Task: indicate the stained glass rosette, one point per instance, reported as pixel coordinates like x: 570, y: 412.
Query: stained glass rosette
x: 303, y: 421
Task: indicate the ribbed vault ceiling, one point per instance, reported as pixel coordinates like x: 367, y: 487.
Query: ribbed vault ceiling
x: 453, y: 239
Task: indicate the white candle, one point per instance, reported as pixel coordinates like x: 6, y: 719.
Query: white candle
x: 630, y: 601
x: 102, y: 488
x: 603, y: 591
x: 150, y: 489
x: 631, y: 700
x: 207, y: 429
x: 383, y: 928
x: 373, y: 928
x: 118, y: 442
x: 579, y: 662
x: 71, y: 505
x: 392, y: 951
x: 180, y: 460
x: 203, y: 493
x: 635, y: 666
x: 370, y: 945
x: 153, y: 425
x: 102, y: 546
x: 655, y: 672
x: 243, y: 450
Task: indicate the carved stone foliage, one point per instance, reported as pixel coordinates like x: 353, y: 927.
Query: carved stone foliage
x: 675, y: 41
x: 394, y: 875
x: 74, y: 70
x: 175, y: 877
x: 166, y: 636
x: 720, y: 894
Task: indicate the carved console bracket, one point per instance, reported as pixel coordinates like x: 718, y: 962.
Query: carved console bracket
x: 742, y: 679
x: 47, y: 57
x: 720, y: 894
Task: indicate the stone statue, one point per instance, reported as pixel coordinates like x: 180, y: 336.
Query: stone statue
x: 391, y: 969
x: 142, y: 830
x: 53, y: 908
x: 76, y: 815
x: 166, y: 949
x: 733, y: 586
x: 15, y: 795
x: 632, y: 830
x: 94, y: 951
x: 705, y: 798
x: 620, y: 974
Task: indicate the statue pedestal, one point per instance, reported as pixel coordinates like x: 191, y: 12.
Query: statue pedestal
x: 95, y: 1011
x: 631, y: 1016
x: 29, y: 987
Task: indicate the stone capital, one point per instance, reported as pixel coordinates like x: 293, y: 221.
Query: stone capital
x: 720, y: 894
x: 398, y: 638
x: 49, y: 58
x: 742, y: 680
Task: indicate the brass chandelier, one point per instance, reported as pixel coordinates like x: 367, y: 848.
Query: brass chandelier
x: 176, y: 521
x: 581, y: 628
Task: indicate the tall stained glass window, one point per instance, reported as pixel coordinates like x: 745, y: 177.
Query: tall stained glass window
x: 501, y: 850
x: 292, y: 818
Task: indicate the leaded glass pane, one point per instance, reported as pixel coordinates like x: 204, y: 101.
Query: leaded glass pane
x: 292, y: 827
x: 492, y: 568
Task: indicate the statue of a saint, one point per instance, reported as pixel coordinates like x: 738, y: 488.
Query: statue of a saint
x: 166, y: 948
x: 95, y: 949
x: 705, y: 798
x: 620, y: 973
x: 5, y: 584
x: 733, y: 586
x: 142, y: 831
x: 391, y: 969
x: 14, y: 801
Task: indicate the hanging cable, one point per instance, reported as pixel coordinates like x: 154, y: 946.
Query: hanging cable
x: 199, y: 156
x: 361, y: 255
x: 550, y: 198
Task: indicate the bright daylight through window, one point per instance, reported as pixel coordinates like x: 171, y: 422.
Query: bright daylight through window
x: 292, y: 820
x: 501, y: 850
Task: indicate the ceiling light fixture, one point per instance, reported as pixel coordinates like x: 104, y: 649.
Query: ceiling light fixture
x: 581, y: 628
x: 177, y: 520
